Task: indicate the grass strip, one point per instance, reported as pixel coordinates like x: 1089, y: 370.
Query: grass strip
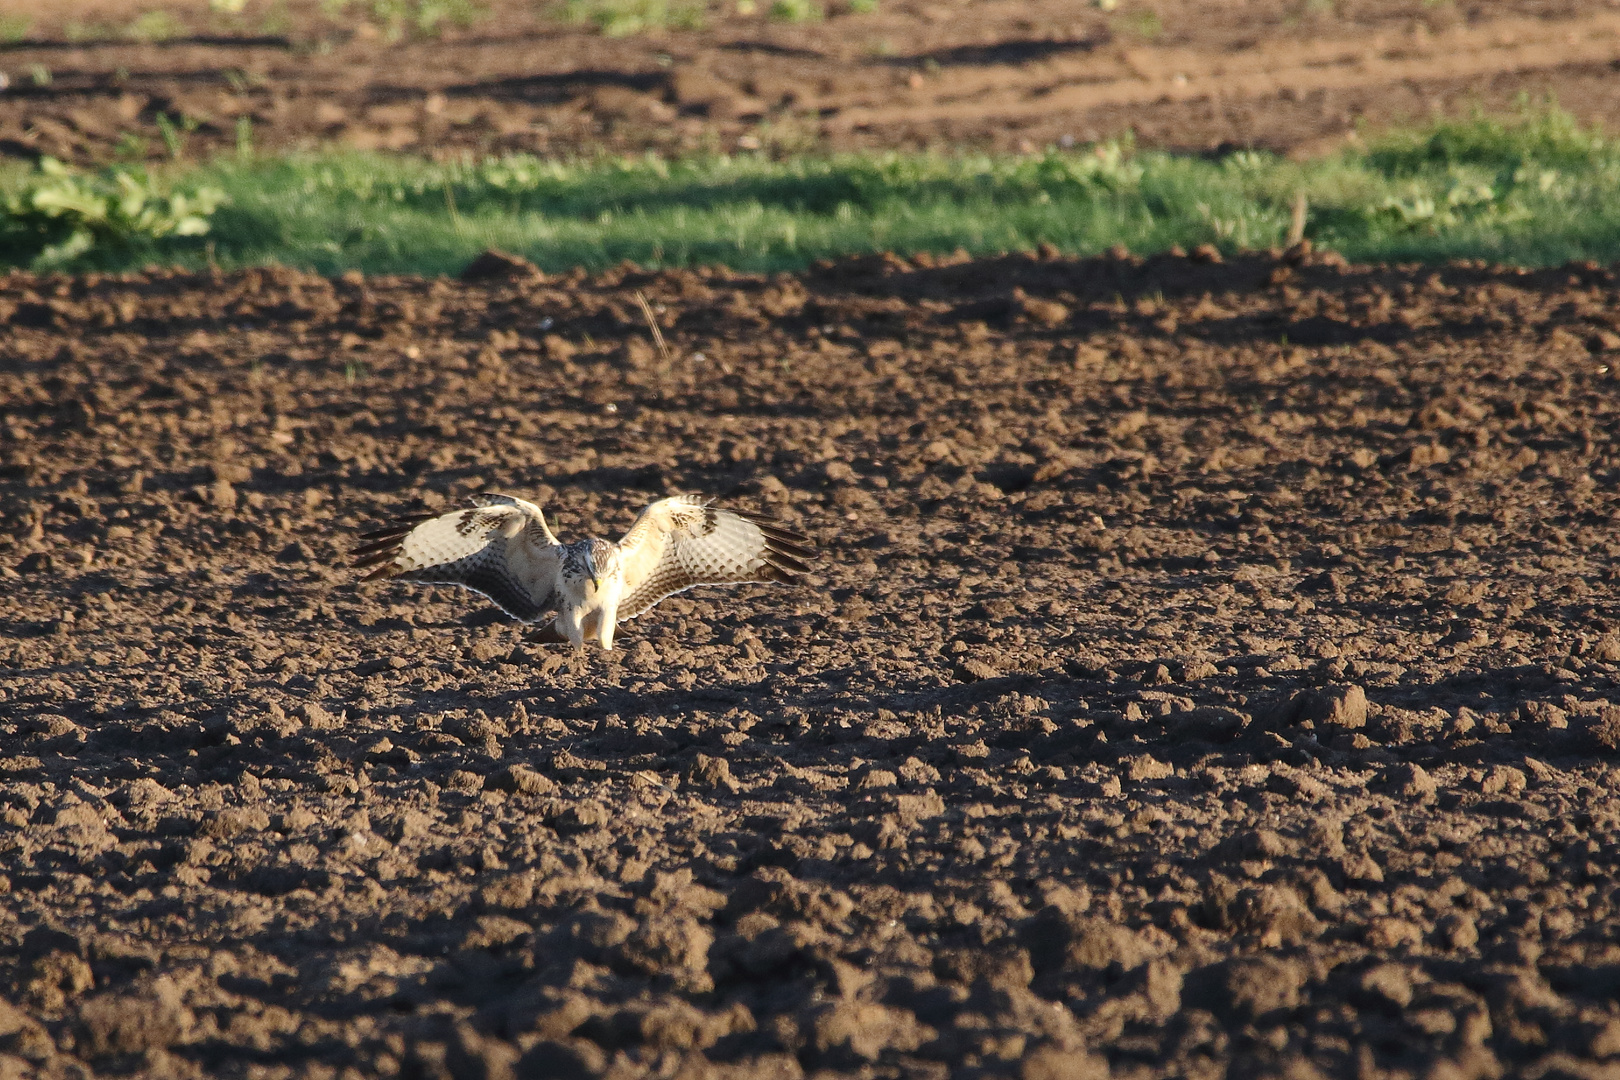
x: 1532, y: 189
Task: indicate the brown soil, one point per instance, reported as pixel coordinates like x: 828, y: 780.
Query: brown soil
x: 1212, y: 672
x: 1291, y: 75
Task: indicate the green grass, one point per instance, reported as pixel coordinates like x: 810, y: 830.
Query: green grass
x: 400, y: 18
x: 624, y: 18
x: 14, y: 28
x: 154, y: 26
x: 1532, y: 189
x: 796, y: 11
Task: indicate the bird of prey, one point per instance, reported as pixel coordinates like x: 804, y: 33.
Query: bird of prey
x: 503, y: 549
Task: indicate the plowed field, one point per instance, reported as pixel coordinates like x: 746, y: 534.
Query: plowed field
x: 1288, y: 75
x: 1211, y: 671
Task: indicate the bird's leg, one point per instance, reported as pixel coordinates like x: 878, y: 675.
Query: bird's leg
x: 588, y: 626
x: 568, y: 624
x: 609, y: 617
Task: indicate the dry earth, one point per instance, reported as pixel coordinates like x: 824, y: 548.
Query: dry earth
x: 1290, y: 75
x: 1211, y: 672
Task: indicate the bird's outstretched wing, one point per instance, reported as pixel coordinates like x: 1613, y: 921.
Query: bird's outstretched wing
x: 683, y: 541
x: 501, y: 549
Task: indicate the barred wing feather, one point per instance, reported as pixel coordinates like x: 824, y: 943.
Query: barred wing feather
x: 681, y: 542
x: 501, y: 549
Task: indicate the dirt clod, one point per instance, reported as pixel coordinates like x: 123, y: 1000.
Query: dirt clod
x: 495, y: 265
x: 1338, y: 707
x: 711, y: 772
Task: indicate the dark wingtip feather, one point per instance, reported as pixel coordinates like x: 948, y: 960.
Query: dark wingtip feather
x: 386, y: 540
x: 786, y: 536
x: 398, y: 527
x: 373, y: 558
x: 786, y: 563
x: 382, y: 535
x: 384, y: 543
x: 780, y: 537
x: 772, y: 572
x: 798, y: 551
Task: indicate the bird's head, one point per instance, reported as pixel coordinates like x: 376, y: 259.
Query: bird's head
x: 601, y: 559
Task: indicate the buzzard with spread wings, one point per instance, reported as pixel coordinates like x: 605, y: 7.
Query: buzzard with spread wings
x: 504, y: 549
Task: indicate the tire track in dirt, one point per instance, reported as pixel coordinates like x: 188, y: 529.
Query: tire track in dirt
x: 1146, y: 75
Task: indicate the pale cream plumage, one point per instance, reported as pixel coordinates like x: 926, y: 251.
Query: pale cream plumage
x: 504, y: 549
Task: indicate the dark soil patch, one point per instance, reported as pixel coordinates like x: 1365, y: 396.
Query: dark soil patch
x: 1212, y: 671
